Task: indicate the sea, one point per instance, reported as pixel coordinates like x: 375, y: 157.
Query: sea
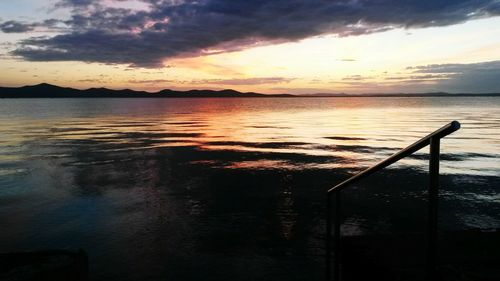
x: 233, y: 188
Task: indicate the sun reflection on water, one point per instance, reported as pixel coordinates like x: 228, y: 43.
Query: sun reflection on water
x: 354, y: 132
x: 190, y: 182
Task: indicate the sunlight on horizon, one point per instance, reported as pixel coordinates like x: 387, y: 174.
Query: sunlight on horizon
x: 372, y: 63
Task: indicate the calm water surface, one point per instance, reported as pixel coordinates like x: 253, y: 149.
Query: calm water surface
x: 231, y: 189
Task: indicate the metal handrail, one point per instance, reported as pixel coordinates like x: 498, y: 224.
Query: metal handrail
x: 433, y: 140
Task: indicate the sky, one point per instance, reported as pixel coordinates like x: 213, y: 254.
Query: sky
x: 280, y: 46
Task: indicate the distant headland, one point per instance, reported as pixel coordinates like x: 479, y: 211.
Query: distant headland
x: 45, y: 90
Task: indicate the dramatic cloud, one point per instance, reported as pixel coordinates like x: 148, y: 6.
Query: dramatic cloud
x: 169, y: 28
x: 74, y: 3
x: 16, y: 27
x: 454, y: 78
x: 21, y: 27
x: 475, y: 77
x: 458, y: 68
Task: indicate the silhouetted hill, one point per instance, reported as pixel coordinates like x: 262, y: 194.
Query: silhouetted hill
x: 45, y: 90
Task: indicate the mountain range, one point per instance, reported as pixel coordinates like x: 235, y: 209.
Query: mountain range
x: 45, y: 90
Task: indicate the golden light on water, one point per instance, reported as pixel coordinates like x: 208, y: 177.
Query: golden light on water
x: 319, y: 132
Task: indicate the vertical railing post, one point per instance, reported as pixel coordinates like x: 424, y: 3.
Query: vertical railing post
x: 337, y: 246
x: 433, y: 209
x: 328, y: 236
x: 433, y: 140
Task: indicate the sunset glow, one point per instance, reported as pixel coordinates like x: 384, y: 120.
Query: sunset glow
x: 457, y: 55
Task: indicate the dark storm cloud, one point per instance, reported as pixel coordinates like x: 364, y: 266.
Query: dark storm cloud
x: 481, y: 67
x: 170, y: 28
x: 480, y: 77
x: 421, y: 77
x: 74, y: 3
x: 16, y: 27
x: 22, y: 27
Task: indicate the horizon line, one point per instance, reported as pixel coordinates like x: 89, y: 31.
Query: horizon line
x: 316, y: 94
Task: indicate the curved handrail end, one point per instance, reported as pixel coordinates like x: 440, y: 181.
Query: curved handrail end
x: 455, y: 125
